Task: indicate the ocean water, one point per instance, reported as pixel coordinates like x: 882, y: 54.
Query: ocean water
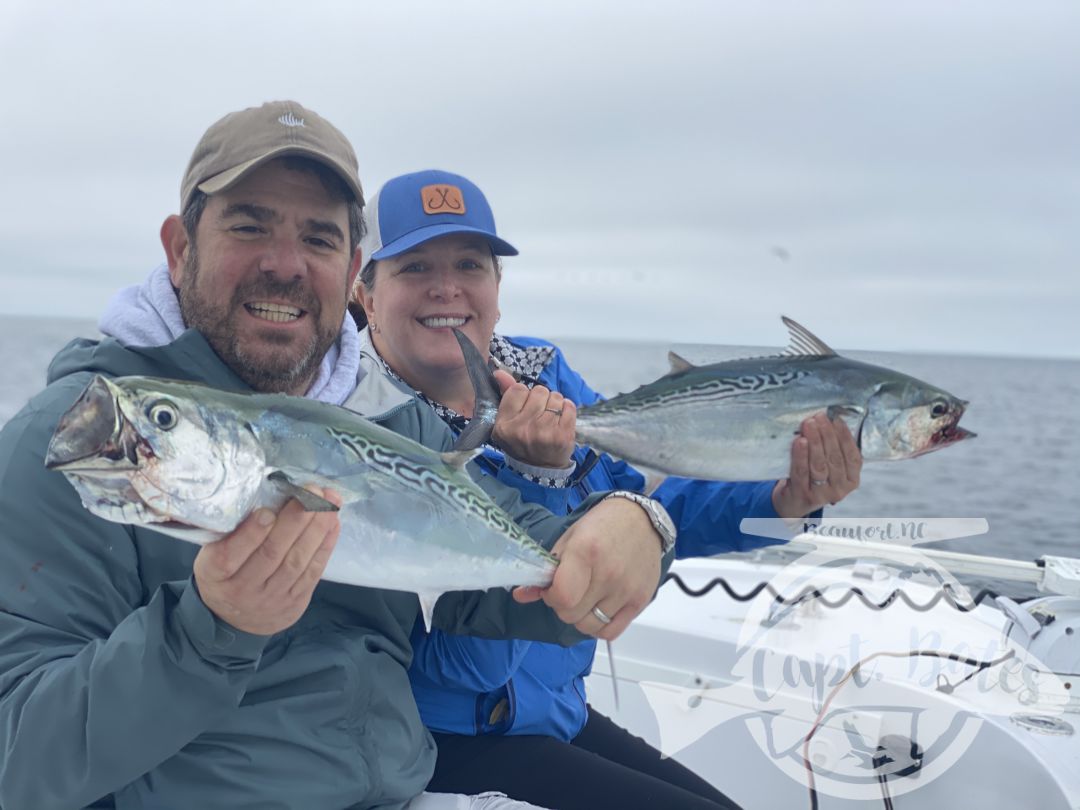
x: 1022, y: 472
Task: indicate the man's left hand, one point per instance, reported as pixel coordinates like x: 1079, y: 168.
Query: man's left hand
x: 609, y: 559
x: 825, y: 468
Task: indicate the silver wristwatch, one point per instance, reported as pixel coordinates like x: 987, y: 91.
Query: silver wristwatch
x: 658, y: 516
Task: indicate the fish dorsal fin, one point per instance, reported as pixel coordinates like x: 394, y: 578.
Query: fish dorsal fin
x: 459, y: 458
x: 679, y: 364
x: 804, y: 343
x: 486, y: 397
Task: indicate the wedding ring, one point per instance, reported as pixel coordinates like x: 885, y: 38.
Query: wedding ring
x: 554, y: 411
x: 603, y: 617
x: 820, y: 483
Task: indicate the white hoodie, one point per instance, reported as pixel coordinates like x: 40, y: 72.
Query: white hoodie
x: 148, y: 314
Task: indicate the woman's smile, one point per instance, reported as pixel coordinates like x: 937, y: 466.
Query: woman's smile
x: 444, y: 321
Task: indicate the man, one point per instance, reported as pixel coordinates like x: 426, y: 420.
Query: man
x: 140, y: 671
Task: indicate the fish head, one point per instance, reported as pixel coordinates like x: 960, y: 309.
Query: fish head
x: 148, y: 452
x: 907, y: 418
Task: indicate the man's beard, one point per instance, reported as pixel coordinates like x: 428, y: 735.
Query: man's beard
x: 266, y: 371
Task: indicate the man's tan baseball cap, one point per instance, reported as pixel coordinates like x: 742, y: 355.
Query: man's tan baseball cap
x: 245, y: 140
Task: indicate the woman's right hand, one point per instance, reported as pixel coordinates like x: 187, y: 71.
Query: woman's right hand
x: 535, y: 426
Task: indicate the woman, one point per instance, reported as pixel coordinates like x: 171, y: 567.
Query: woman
x: 511, y: 715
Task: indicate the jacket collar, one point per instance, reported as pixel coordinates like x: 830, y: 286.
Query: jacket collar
x: 377, y: 394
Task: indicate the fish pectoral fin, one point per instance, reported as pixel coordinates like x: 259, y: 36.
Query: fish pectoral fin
x: 852, y: 415
x: 679, y: 364
x: 427, y: 606
x: 459, y: 458
x: 309, y: 500
x: 836, y: 411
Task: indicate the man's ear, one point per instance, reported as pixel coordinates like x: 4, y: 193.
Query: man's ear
x: 174, y: 238
x: 354, y: 270
x: 365, y: 298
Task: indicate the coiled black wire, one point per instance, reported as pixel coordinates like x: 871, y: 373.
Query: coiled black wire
x: 945, y: 593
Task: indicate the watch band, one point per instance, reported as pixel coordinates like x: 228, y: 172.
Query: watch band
x: 658, y: 516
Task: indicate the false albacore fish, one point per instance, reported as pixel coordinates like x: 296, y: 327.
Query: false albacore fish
x: 192, y: 462
x: 735, y: 420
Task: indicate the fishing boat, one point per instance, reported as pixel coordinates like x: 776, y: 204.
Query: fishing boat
x: 839, y: 673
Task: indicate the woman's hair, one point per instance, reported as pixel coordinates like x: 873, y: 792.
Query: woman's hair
x: 358, y: 314
x: 367, y: 278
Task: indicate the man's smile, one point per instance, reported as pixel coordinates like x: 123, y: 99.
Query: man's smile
x: 276, y: 313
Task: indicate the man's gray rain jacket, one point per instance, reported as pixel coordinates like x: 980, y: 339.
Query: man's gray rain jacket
x: 118, y: 687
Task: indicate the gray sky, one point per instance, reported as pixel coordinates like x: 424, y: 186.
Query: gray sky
x: 893, y: 175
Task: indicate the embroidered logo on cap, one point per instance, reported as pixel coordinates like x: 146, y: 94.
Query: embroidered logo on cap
x: 442, y: 199
x: 290, y: 120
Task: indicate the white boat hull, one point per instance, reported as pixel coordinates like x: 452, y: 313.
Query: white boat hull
x: 732, y: 689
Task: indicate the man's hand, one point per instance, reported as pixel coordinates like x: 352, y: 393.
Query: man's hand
x: 609, y: 559
x: 261, y: 577
x: 825, y: 467
x: 535, y: 425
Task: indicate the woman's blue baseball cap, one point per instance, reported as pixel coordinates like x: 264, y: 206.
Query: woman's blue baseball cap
x: 413, y: 208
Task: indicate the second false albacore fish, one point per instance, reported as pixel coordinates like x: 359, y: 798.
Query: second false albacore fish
x: 735, y: 420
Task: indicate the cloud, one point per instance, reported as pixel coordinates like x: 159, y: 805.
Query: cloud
x: 691, y: 169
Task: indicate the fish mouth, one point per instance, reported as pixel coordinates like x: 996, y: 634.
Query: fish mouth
x: 93, y: 435
x: 950, y: 435
x: 952, y: 432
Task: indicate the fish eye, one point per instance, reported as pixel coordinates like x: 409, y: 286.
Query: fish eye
x: 939, y: 409
x: 163, y: 414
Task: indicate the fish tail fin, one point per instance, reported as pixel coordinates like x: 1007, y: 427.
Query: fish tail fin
x: 487, y: 394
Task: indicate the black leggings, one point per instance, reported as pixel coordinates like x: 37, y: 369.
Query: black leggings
x: 605, y: 766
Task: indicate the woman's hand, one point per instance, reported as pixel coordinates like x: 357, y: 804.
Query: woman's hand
x: 535, y: 426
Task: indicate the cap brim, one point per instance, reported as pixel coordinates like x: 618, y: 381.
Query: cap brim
x: 410, y: 240
x: 223, y: 181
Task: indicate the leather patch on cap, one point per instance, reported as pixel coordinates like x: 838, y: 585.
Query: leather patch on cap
x: 442, y: 199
